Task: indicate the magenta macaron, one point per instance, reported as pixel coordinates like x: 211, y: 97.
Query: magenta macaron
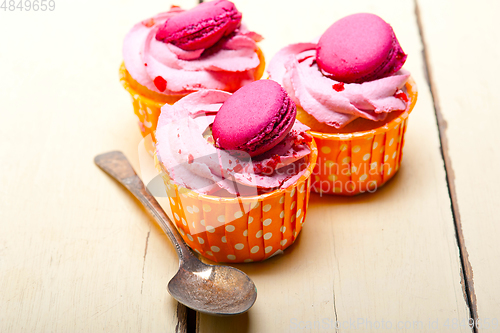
x: 202, y: 26
x: 358, y: 48
x: 255, y: 118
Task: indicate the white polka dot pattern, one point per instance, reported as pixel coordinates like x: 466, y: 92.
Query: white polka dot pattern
x: 364, y: 161
x: 240, y: 230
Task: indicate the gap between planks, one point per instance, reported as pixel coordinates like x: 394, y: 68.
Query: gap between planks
x: 193, y: 321
x: 182, y: 319
x: 466, y: 268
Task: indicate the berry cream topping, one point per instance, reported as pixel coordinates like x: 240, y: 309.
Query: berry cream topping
x: 218, y: 52
x: 332, y: 102
x: 188, y: 154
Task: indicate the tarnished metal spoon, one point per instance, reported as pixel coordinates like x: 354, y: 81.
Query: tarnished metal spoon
x: 211, y: 289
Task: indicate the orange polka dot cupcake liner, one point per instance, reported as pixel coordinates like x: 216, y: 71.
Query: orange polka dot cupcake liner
x: 240, y: 229
x: 146, y: 108
x: 359, y: 162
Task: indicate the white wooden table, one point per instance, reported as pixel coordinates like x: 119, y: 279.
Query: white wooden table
x: 78, y: 253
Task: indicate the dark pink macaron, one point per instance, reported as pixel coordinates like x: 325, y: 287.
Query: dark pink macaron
x: 255, y: 118
x: 359, y: 48
x: 202, y: 26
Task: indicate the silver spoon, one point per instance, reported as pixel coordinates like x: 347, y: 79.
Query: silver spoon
x: 211, y: 289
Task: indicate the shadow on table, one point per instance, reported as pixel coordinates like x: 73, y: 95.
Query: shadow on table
x: 277, y: 276
x: 295, y: 252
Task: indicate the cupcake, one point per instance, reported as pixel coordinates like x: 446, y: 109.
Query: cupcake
x: 237, y: 170
x: 182, y: 51
x: 351, y: 90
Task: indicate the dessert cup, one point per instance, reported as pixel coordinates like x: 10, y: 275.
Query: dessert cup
x: 351, y: 90
x: 157, y: 68
x: 236, y: 204
x: 241, y: 229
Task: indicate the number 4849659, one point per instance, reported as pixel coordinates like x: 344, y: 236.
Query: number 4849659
x: 27, y: 5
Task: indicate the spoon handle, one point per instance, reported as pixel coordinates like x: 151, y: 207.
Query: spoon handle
x: 117, y: 166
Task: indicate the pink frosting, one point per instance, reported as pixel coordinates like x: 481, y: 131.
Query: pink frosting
x: 186, y: 150
x: 331, y: 102
x: 230, y: 62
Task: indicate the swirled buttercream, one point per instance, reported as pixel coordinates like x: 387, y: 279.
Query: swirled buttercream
x: 186, y: 150
x: 167, y: 69
x: 332, y: 102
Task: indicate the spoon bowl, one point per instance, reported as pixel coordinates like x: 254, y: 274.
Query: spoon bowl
x: 211, y: 289
x: 220, y: 290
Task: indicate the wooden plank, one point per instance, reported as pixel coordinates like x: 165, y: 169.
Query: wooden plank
x: 369, y: 263
x: 77, y: 252
x: 463, y: 62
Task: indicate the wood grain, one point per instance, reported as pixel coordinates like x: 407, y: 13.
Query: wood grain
x: 77, y: 252
x: 465, y: 89
x: 369, y: 263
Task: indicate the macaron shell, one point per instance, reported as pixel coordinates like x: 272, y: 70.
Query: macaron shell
x: 358, y: 48
x: 255, y: 118
x: 275, y: 132
x: 202, y: 26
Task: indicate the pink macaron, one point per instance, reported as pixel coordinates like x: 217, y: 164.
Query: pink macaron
x: 202, y: 26
x: 358, y: 48
x: 255, y: 118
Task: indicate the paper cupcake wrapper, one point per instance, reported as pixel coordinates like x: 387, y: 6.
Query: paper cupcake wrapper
x: 240, y: 229
x: 146, y: 108
x: 359, y: 162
